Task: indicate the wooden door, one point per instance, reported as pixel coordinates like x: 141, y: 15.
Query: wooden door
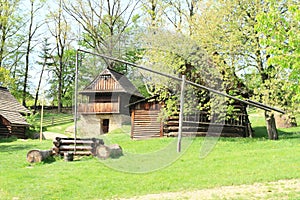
x: 105, y: 125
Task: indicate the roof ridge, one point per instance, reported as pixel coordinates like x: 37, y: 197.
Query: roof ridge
x: 4, y: 88
x: 110, y: 69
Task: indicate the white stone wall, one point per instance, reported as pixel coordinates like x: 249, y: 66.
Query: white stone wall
x: 90, y: 125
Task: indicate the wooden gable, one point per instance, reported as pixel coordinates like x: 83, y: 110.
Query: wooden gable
x: 105, y: 82
x: 111, y: 81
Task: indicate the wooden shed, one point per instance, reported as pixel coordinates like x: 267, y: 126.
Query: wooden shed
x: 146, y: 122
x: 12, y: 121
x: 103, y: 102
x: 145, y: 118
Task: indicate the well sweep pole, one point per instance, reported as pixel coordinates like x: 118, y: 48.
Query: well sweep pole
x: 181, y: 114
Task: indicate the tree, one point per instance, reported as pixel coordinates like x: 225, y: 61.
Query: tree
x: 32, y: 29
x: 280, y: 32
x: 177, y: 54
x: 66, y: 81
x: 181, y: 14
x: 61, y: 33
x: 8, y: 27
x: 230, y: 28
x: 105, y: 24
x: 45, y: 56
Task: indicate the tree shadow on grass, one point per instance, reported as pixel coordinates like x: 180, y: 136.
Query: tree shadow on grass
x: 16, y: 147
x: 261, y: 132
x: 6, y: 140
x: 49, y: 160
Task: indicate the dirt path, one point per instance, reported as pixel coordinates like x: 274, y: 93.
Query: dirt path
x: 50, y: 135
x: 283, y: 189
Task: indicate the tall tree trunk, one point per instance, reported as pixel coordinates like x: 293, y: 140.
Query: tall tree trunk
x: 25, y: 81
x: 3, y: 38
x: 39, y: 85
x: 271, y: 126
x: 30, y: 35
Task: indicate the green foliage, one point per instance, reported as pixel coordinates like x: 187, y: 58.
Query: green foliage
x: 5, y: 79
x: 280, y: 31
x: 258, y: 42
x: 68, y: 78
x: 33, y: 119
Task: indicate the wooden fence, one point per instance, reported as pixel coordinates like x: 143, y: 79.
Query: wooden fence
x: 56, y: 120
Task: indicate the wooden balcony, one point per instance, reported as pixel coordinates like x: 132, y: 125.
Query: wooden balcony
x: 99, y: 108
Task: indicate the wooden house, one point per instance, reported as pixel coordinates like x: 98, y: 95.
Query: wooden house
x: 12, y: 122
x: 103, y: 103
x: 146, y: 122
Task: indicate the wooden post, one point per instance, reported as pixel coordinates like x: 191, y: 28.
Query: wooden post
x: 132, y: 123
x: 42, y: 115
x: 181, y: 114
x: 271, y: 126
x: 76, y: 100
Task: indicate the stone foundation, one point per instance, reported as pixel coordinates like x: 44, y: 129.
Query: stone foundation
x: 92, y: 125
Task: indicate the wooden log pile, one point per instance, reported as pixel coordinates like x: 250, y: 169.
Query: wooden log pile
x: 80, y: 146
x: 69, y: 147
x: 86, y: 147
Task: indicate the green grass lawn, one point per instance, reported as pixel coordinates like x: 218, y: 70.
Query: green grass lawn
x: 233, y: 161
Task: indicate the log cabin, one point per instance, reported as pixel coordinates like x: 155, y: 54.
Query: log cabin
x: 12, y: 121
x: 146, y: 121
x: 103, y: 103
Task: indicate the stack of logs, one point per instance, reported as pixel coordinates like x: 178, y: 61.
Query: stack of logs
x: 84, y: 146
x: 68, y: 147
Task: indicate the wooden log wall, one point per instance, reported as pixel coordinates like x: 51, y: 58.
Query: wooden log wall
x: 9, y: 131
x: 145, y: 124
x: 198, y: 126
x: 5, y: 131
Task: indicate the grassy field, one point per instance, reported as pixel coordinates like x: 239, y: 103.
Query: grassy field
x: 233, y: 161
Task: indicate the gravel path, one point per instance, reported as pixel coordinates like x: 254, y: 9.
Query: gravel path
x: 51, y: 136
x: 283, y: 189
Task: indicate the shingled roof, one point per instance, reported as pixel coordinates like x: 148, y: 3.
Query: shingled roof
x: 11, y: 109
x: 122, y: 84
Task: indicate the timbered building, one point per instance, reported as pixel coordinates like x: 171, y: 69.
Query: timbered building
x: 103, y: 103
x: 145, y: 118
x: 146, y: 122
x: 12, y: 121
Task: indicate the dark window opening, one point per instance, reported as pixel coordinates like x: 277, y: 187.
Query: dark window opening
x: 105, y: 125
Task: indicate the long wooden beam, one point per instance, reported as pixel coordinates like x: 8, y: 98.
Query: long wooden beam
x: 247, y: 102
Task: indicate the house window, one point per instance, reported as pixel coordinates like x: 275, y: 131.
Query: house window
x: 105, y: 77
